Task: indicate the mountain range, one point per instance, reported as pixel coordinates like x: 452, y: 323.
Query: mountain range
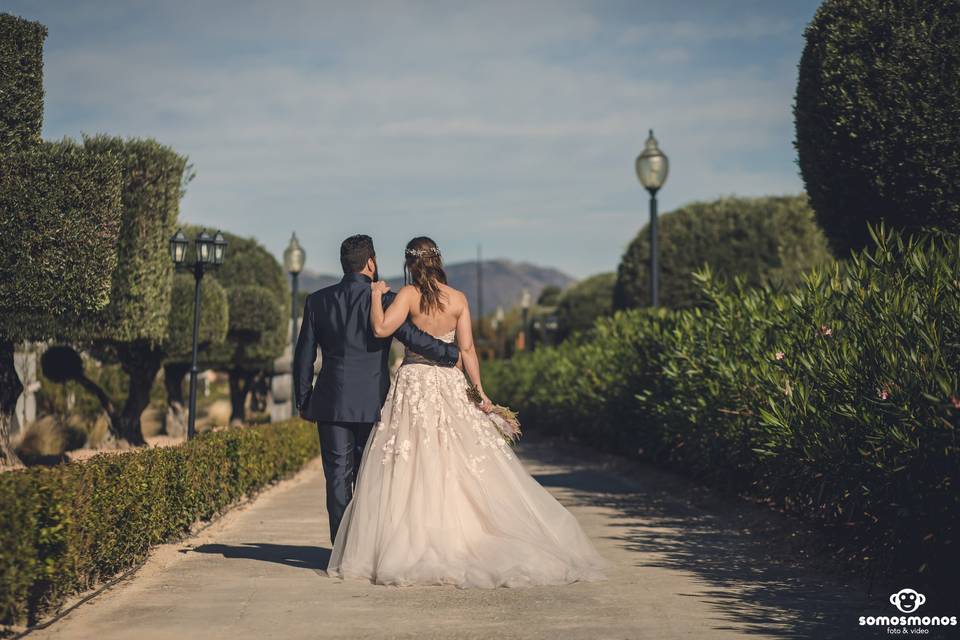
x: 504, y: 282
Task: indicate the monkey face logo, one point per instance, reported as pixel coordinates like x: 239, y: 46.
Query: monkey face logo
x: 907, y: 600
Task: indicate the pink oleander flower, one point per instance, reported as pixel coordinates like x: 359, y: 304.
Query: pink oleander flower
x: 955, y: 401
x: 825, y: 330
x: 883, y: 393
x: 779, y: 355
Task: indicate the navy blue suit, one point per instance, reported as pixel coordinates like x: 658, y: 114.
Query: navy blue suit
x: 354, y: 377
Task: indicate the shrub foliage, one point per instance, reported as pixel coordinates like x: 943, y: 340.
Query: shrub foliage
x: 59, y: 220
x: 66, y: 528
x: 839, y: 400
x: 580, y: 305
x: 876, y: 117
x: 214, y: 316
x: 764, y: 240
x: 153, y: 177
x: 21, y: 83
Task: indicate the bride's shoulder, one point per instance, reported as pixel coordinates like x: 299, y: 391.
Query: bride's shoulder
x: 454, y: 295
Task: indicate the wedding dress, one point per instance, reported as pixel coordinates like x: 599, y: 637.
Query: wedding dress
x: 442, y: 499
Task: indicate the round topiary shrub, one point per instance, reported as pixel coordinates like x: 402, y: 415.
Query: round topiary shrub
x: 876, y: 117
x: 763, y: 240
x: 580, y: 305
x: 214, y: 314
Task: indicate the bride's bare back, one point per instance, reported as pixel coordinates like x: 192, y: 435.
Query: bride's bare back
x: 438, y: 323
x: 455, y: 315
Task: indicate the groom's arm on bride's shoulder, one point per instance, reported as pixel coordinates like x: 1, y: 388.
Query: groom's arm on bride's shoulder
x: 304, y: 357
x: 421, y: 342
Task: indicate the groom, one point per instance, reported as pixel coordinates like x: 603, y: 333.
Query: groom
x: 354, y: 377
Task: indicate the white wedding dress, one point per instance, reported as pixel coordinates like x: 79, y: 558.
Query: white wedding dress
x: 442, y: 499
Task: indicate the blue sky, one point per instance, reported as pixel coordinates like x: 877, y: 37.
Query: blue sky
x: 511, y: 124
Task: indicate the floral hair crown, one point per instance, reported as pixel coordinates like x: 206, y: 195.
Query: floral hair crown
x: 422, y: 253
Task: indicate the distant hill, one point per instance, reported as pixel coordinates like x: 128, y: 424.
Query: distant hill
x: 503, y: 281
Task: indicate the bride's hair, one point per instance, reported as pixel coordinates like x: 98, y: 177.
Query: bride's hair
x: 423, y: 268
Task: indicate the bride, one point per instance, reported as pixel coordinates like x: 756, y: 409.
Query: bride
x: 440, y: 497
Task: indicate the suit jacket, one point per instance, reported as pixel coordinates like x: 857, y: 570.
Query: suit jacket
x: 354, y: 375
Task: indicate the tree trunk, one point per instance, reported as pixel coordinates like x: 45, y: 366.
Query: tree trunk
x: 141, y: 362
x: 10, y: 390
x: 240, y: 385
x: 176, y: 418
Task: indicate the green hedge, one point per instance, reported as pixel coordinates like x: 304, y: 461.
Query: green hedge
x: 21, y: 83
x: 65, y: 528
x: 772, y: 239
x: 153, y: 182
x: 839, y: 400
x: 59, y: 221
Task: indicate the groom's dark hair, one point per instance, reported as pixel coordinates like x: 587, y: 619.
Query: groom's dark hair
x: 354, y: 253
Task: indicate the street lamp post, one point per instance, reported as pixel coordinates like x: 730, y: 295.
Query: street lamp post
x: 209, y: 252
x: 499, y: 328
x: 652, y: 167
x: 293, y: 258
x: 525, y: 305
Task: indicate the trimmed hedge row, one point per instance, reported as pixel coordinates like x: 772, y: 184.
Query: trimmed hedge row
x: 59, y: 219
x: 839, y: 401
x: 21, y: 83
x: 67, y: 527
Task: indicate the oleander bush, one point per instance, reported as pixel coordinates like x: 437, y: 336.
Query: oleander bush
x: 838, y: 400
x: 68, y: 527
x: 766, y: 240
x: 876, y: 117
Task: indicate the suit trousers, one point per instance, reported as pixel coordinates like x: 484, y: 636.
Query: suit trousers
x: 341, y: 449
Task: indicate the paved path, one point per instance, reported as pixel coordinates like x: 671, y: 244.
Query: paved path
x: 687, y: 565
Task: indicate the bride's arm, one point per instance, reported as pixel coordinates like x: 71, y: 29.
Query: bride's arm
x: 385, y: 323
x: 468, y: 353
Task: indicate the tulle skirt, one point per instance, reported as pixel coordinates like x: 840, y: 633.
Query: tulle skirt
x: 442, y: 499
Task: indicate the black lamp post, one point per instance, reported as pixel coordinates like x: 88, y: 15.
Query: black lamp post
x: 652, y: 167
x: 209, y: 254
x: 293, y: 259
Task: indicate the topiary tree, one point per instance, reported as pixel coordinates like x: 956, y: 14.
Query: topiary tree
x: 259, y: 303
x: 580, y: 305
x: 132, y: 329
x: 549, y: 296
x: 876, y: 117
x: 59, y: 218
x: 214, y: 314
x: 21, y: 83
x: 764, y: 240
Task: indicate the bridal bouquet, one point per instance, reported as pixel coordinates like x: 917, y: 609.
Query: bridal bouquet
x: 504, y: 418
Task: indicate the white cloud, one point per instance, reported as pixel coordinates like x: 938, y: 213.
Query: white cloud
x: 505, y: 126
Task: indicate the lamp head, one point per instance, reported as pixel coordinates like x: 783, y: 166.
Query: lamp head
x: 652, y: 165
x: 294, y: 256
